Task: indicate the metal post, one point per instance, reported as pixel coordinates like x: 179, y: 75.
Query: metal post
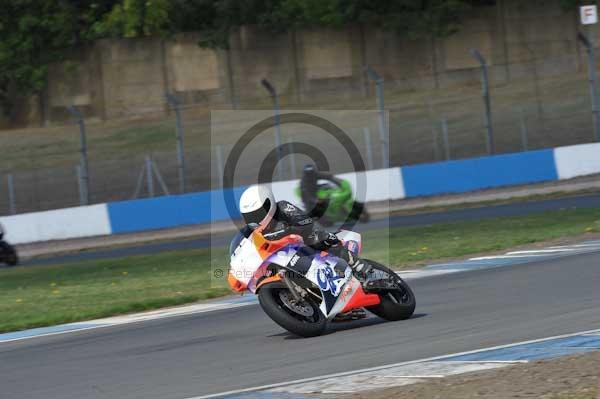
x: 589, y: 47
x: 139, y: 182
x: 174, y: 104
x: 446, y: 138
x: 383, y: 131
x: 149, y: 178
x: 85, y: 177
x: 160, y: 179
x: 367, y: 136
x: 292, y: 160
x: 434, y: 137
x: 275, y: 97
x: 80, y: 184
x: 524, y: 131
x: 485, y: 89
x: 220, y: 166
x: 12, y: 207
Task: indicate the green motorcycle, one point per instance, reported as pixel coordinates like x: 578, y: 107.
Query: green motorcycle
x: 333, y: 203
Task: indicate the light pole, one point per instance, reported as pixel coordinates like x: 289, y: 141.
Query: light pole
x: 383, y: 131
x: 485, y: 90
x: 275, y: 97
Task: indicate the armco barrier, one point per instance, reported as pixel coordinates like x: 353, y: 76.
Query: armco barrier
x: 395, y: 183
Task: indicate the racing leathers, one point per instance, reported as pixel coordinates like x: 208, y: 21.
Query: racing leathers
x: 289, y: 219
x: 309, y: 186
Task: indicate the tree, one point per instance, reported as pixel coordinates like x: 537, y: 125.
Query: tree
x: 37, y: 33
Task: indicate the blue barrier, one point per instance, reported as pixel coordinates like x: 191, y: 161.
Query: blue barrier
x: 170, y: 211
x: 479, y: 173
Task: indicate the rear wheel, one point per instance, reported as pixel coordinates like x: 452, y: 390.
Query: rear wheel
x: 10, y: 255
x: 397, y: 303
x: 301, y: 318
x: 359, y: 212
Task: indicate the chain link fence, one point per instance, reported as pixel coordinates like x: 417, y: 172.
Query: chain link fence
x: 538, y: 102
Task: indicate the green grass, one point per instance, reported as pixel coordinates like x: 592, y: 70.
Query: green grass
x: 412, y: 246
x: 47, y: 295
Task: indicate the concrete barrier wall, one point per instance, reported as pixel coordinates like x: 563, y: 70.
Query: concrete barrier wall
x: 384, y: 184
x: 59, y: 224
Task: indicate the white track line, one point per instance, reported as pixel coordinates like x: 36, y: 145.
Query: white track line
x: 371, y: 369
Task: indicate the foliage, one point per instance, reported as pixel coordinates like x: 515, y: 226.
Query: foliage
x: 36, y: 33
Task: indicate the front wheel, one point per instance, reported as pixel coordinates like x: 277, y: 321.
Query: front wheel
x: 397, y: 303
x: 301, y: 318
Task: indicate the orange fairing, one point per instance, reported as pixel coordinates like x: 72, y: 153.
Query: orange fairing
x: 267, y: 280
x: 360, y: 299
x: 266, y: 248
x: 235, y: 284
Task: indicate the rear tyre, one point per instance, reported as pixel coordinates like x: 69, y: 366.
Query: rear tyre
x: 359, y: 212
x: 12, y: 259
x: 303, y: 319
x: 397, y: 304
x: 10, y: 255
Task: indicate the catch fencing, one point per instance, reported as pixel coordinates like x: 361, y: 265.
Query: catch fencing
x: 494, y: 105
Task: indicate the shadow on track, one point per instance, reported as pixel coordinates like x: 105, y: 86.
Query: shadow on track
x: 348, y: 325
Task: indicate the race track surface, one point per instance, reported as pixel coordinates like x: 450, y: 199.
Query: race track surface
x: 514, y: 209
x: 183, y: 357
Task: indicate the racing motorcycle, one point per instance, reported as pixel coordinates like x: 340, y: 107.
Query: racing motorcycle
x: 8, y: 253
x: 336, y: 204
x: 304, y: 303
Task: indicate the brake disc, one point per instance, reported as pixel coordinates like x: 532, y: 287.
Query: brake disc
x: 302, y: 308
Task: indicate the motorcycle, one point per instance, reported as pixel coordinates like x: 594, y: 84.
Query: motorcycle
x: 304, y: 303
x: 336, y: 204
x: 8, y: 253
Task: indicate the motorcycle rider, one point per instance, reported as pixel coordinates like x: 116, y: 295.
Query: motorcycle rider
x: 281, y: 218
x: 309, y: 187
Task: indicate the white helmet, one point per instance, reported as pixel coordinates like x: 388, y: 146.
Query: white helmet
x: 257, y: 205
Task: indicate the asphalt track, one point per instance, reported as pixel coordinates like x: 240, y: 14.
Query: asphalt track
x: 513, y: 209
x: 207, y: 353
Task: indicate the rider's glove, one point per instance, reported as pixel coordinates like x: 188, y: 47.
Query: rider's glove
x: 331, y: 240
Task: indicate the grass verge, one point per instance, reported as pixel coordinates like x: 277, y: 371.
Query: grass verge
x: 48, y: 295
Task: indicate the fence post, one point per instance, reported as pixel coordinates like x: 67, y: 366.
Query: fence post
x: 446, y: 138
x: 174, y: 104
x: 524, y: 131
x: 369, y: 147
x: 160, y: 179
x: 589, y: 47
x: 12, y: 207
x: 485, y: 89
x: 80, y: 185
x: 383, y: 131
x: 275, y: 97
x: 434, y: 138
x: 220, y: 167
x: 85, y: 177
x: 149, y: 177
x: 292, y: 159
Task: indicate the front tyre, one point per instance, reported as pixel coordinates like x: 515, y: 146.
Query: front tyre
x: 304, y: 319
x: 396, y: 304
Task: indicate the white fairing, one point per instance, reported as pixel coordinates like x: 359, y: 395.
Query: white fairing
x: 245, y: 260
x: 247, y: 266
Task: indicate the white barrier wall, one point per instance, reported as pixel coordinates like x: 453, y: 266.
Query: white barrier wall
x: 381, y: 185
x: 577, y: 160
x: 59, y: 224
